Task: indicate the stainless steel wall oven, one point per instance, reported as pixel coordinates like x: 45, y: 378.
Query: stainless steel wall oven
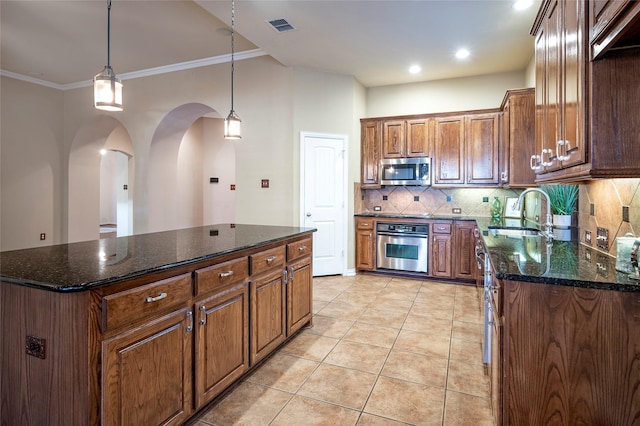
x: 402, y: 247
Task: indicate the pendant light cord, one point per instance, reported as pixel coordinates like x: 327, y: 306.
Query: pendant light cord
x: 232, y: 48
x: 109, y: 34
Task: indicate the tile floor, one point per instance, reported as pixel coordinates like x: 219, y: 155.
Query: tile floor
x: 382, y: 351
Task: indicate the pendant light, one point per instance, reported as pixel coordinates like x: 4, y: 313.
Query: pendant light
x: 107, y: 89
x: 232, y: 122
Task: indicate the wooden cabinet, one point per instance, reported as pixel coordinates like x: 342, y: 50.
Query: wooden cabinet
x: 365, y: 244
x: 496, y: 366
x: 614, y: 23
x: 517, y: 138
x: 407, y: 138
x: 370, y: 152
x: 268, y: 313
x: 440, y: 261
x: 147, y: 372
x: 466, y: 150
x: 299, y: 295
x: 222, y: 340
x: 464, y: 249
x: 570, y: 355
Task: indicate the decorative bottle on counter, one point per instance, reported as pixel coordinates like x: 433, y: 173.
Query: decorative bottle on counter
x: 496, y: 208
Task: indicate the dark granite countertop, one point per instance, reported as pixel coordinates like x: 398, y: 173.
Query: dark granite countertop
x: 567, y: 263
x: 416, y: 216
x: 86, y: 265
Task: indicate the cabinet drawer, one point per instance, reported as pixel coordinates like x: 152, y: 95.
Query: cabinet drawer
x: 140, y: 302
x: 364, y: 224
x: 441, y: 228
x: 268, y: 259
x: 299, y: 249
x: 222, y: 274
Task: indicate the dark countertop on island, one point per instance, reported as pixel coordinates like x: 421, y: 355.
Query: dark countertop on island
x: 90, y: 264
x: 567, y: 263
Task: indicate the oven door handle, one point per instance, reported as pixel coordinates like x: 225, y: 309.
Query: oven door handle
x: 400, y: 234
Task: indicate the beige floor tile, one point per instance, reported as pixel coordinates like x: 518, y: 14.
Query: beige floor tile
x: 406, y: 402
x: 468, y: 378
x: 358, y: 356
x: 383, y: 318
x: 426, y: 344
x: 436, y: 287
x: 310, y: 346
x: 330, y: 327
x: 326, y: 292
x: 467, y: 351
x: 355, y: 298
x: 371, y: 420
x: 234, y: 410
x: 468, y: 313
x: 284, y: 372
x: 406, y: 284
x: 386, y: 303
x: 337, y: 385
x: 398, y: 293
x: 467, y: 331
x: 442, y: 300
x: 378, y: 281
x: 432, y: 310
x: 341, y: 310
x: 372, y: 334
x: 309, y: 412
x: 418, y: 368
x: 318, y: 305
x: 440, y: 326
x: 466, y: 410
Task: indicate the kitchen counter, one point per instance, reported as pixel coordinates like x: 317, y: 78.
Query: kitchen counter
x: 568, y: 263
x: 91, y: 264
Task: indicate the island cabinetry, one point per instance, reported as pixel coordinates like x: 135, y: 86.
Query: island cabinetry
x: 570, y: 355
x: 407, y: 138
x: 299, y: 285
x: 268, y: 295
x: 222, y: 328
x: 365, y: 244
x: 440, y: 262
x: 371, y: 152
x: 517, y: 138
x: 464, y: 260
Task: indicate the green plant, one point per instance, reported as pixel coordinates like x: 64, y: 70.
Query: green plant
x: 564, y: 198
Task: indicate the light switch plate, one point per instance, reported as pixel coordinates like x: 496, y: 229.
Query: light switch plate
x: 602, y: 238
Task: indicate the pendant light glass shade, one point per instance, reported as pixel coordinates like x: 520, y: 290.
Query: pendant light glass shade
x: 107, y: 88
x: 232, y: 122
x: 107, y: 91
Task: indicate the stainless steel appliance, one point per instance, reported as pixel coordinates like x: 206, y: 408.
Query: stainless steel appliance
x: 402, y: 247
x: 406, y: 171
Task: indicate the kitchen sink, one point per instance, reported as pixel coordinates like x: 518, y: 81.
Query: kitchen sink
x: 516, y: 232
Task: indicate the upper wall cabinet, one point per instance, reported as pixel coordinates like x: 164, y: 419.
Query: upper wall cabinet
x: 517, y: 138
x: 586, y: 112
x: 407, y: 138
x: 614, y: 23
x: 370, y: 135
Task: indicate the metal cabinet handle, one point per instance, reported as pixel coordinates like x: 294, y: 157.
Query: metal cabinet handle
x: 548, y: 152
x: 285, y: 273
x: 302, y: 248
x: 150, y: 299
x: 203, y: 315
x: 504, y: 176
x: 291, y: 274
x: 562, y: 150
x: 190, y: 317
x: 534, y: 162
x: 270, y: 259
x: 225, y: 274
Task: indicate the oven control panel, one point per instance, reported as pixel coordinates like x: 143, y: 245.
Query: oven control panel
x: 403, y: 228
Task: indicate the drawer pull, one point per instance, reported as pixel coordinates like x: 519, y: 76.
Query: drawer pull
x: 302, y: 248
x: 270, y: 259
x: 225, y: 274
x: 190, y: 317
x: 161, y: 296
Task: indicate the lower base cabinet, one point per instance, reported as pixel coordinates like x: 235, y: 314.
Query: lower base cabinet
x: 299, y: 295
x: 146, y: 373
x: 268, y: 314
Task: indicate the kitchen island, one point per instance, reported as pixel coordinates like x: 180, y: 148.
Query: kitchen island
x: 145, y: 329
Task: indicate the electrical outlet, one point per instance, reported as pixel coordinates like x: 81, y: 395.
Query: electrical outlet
x: 587, y: 237
x: 602, y: 238
x: 456, y: 210
x: 592, y: 209
x: 485, y: 199
x: 625, y: 213
x: 43, y: 236
x: 377, y: 208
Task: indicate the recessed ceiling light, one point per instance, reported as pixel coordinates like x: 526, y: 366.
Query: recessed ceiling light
x: 415, y: 69
x: 522, y: 4
x: 462, y: 53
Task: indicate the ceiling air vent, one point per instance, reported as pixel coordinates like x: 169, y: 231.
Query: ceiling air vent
x: 281, y: 25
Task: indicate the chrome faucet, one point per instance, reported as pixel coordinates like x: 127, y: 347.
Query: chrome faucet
x: 549, y: 224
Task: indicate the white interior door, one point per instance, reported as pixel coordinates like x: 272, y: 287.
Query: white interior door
x: 323, y: 190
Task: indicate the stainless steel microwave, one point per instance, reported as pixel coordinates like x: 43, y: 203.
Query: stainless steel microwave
x: 405, y: 171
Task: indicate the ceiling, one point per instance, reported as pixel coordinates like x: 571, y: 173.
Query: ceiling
x: 64, y: 43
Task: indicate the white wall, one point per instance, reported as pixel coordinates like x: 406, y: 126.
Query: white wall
x: 530, y: 73
x: 219, y: 201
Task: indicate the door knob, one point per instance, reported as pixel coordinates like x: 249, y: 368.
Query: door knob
x: 308, y: 214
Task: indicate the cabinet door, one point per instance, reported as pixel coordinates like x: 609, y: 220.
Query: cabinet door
x: 222, y: 341
x: 464, y: 248
x: 147, y: 373
x: 519, y: 134
x: 299, y: 295
x: 449, y: 150
x: 370, y: 153
x: 496, y: 366
x: 482, y: 131
x: 440, y: 262
x: 393, y: 139
x: 268, y: 314
x: 420, y: 134
x: 364, y: 245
